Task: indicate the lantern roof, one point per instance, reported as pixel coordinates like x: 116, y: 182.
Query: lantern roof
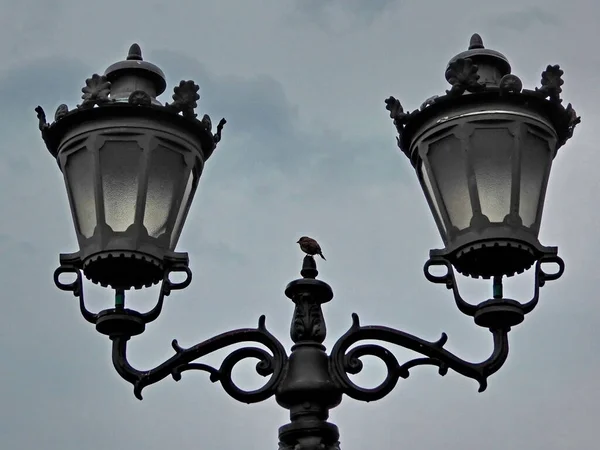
x: 127, y: 89
x: 478, y: 53
x: 483, y: 78
x: 134, y: 66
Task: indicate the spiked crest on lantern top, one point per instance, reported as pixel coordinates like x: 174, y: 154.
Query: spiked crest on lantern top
x: 483, y: 153
x: 131, y: 167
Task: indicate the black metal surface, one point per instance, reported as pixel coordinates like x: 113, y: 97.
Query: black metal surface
x: 309, y: 382
x: 119, y: 151
x: 486, y: 111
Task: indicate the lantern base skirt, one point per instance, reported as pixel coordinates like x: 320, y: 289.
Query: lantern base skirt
x: 488, y: 258
x: 124, y: 269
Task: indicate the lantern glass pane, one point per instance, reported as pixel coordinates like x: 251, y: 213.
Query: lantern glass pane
x: 183, y: 209
x: 79, y: 172
x: 535, y: 161
x: 120, y: 168
x: 430, y: 193
x: 165, y: 171
x: 447, y: 159
x: 491, y: 154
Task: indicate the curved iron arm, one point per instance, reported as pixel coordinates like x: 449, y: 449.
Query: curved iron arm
x: 76, y: 287
x: 344, y: 362
x: 541, y: 277
x: 269, y: 364
x: 449, y: 280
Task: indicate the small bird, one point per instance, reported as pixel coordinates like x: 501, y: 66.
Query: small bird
x: 310, y: 246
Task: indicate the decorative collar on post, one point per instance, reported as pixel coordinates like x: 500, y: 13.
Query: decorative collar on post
x: 308, y: 390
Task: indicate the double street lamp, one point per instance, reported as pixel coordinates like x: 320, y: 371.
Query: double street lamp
x: 482, y: 153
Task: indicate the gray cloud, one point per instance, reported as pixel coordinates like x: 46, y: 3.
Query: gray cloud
x: 323, y: 12
x: 308, y: 149
x: 258, y: 110
x: 521, y: 20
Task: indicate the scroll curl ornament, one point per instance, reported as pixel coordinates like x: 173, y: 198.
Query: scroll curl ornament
x: 398, y: 115
x: 344, y: 361
x: 208, y: 125
x: 574, y: 119
x: 43, y: 124
x: 272, y: 364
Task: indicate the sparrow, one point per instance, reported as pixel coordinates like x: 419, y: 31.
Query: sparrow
x: 310, y: 246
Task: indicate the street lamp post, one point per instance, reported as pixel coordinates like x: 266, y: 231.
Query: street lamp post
x: 482, y: 153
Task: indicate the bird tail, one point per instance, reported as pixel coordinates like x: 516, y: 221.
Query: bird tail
x: 321, y: 255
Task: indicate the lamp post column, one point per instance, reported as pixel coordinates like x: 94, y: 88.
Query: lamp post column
x: 308, y: 390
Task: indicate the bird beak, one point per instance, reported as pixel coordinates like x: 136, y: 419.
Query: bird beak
x: 298, y: 241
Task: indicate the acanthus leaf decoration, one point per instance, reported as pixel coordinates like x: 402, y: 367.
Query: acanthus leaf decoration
x: 574, y: 119
x: 42, y: 123
x: 308, y: 323
x: 398, y: 115
x: 551, y: 83
x: 95, y: 91
x: 217, y: 135
x: 185, y: 97
x: 207, y: 122
x: 462, y: 75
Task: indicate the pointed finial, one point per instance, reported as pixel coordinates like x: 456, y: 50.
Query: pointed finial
x: 135, y: 53
x: 309, y: 267
x: 475, y: 42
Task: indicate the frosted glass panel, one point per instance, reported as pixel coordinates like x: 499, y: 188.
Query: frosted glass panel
x: 429, y: 188
x: 120, y: 167
x: 80, y: 179
x: 491, y: 153
x: 447, y: 159
x: 535, y: 159
x: 164, y: 175
x: 183, y: 209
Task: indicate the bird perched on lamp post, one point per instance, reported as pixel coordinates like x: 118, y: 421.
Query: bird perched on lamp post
x: 310, y: 246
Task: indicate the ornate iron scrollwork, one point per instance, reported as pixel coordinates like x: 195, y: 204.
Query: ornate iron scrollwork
x: 269, y: 364
x: 344, y: 361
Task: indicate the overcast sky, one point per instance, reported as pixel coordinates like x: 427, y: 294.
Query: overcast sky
x: 308, y: 149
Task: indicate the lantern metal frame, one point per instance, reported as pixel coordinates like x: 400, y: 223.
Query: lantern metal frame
x: 486, y: 99
x: 121, y: 123
x: 308, y: 381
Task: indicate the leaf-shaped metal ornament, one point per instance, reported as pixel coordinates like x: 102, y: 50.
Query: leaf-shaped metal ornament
x: 462, y: 75
x: 95, y: 91
x: 185, y: 97
x: 551, y: 83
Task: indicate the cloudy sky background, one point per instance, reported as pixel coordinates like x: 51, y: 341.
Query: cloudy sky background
x: 308, y: 149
